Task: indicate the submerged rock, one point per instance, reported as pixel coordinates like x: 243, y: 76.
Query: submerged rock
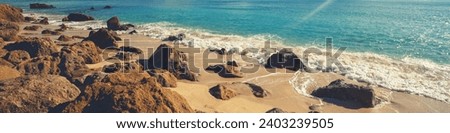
x: 339, y: 90
x: 35, y: 94
x: 127, y: 92
x: 40, y: 6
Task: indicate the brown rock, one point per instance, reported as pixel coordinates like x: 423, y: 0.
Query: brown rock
x: 276, y: 110
x: 128, y: 92
x: 131, y: 49
x: 125, y: 56
x: 229, y: 70
x: 34, y: 46
x: 8, y: 30
x: 64, y: 38
x: 17, y: 56
x: 168, y: 58
x: 50, y: 32
x: 10, y: 13
x: 285, y: 58
x: 114, y: 24
x: 35, y: 94
x: 164, y: 77
x: 6, y: 63
x: 43, y: 21
x: 43, y: 65
x: 344, y: 92
x: 72, y: 65
x: 40, y: 6
x: 104, y: 38
x: 238, y: 88
x: 78, y: 37
x: 125, y: 67
x: 77, y: 17
x: 29, y: 19
x: 8, y: 72
x: 88, y: 51
x: 223, y: 92
x: 32, y: 28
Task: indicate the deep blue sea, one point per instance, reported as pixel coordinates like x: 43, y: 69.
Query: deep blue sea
x: 397, y: 28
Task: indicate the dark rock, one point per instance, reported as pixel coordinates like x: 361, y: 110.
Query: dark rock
x: 10, y: 13
x: 34, y: 46
x: 40, y: 6
x: 107, y: 7
x: 125, y: 67
x: 131, y: 49
x: 43, y: 21
x: 339, y: 90
x: 17, y: 56
x: 168, y: 58
x: 230, y: 70
x: 92, y: 8
x: 9, y: 30
x: 128, y: 92
x: 50, y: 32
x: 114, y: 24
x: 29, y: 19
x: 164, y: 77
x: 32, y: 28
x: 42, y: 65
x: 178, y: 37
x: 125, y: 56
x: 104, y: 38
x: 134, y: 32
x: 276, y: 110
x: 77, y: 17
x: 285, y: 59
x: 35, y: 94
x: 62, y: 28
x: 64, y: 38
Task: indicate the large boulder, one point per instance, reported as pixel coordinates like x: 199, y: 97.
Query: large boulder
x: 17, y: 56
x: 164, y: 77
x: 125, y: 67
x: 77, y: 17
x: 175, y: 61
x: 35, y: 94
x: 88, y: 51
x: 229, y: 70
x: 104, y: 38
x: 114, y: 24
x: 10, y: 13
x: 127, y: 92
x: 9, y: 30
x: 342, y: 91
x: 285, y: 58
x: 223, y: 92
x: 8, y: 72
x: 34, y: 46
x: 42, y: 65
x: 40, y: 6
x: 72, y: 65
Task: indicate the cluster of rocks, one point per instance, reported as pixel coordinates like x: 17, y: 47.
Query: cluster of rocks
x: 231, y: 69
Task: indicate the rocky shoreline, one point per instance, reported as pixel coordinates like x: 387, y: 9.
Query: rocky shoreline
x: 48, y: 70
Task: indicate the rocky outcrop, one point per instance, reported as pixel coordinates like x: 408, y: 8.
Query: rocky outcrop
x: 342, y: 91
x: 17, y: 56
x: 40, y: 6
x: 64, y: 38
x: 43, y: 21
x: 127, y: 92
x: 168, y: 58
x: 9, y: 30
x: 10, y: 13
x: 223, y: 92
x: 88, y: 51
x: 35, y: 94
x: 229, y: 70
x: 164, y: 77
x: 50, y: 32
x: 72, y: 65
x: 114, y: 24
x: 104, y: 38
x: 8, y: 73
x: 276, y: 110
x: 34, y: 46
x: 77, y: 17
x: 126, y: 67
x: 42, y: 65
x: 285, y: 58
x: 32, y: 28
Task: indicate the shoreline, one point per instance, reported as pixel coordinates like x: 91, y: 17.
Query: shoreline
x: 282, y: 87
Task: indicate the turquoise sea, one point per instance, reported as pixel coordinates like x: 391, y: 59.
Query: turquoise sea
x: 397, y: 28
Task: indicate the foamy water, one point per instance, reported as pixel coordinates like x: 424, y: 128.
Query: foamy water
x: 416, y: 76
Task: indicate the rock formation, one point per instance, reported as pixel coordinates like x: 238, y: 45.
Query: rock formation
x: 285, y: 58
x: 40, y: 6
x: 10, y: 13
x: 114, y: 24
x: 77, y: 17
x: 104, y: 38
x: 168, y: 58
x: 9, y: 30
x: 164, y: 77
x: 230, y: 70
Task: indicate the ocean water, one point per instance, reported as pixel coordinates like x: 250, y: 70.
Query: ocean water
x: 402, y: 45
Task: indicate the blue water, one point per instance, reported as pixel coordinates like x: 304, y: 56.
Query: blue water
x: 397, y: 28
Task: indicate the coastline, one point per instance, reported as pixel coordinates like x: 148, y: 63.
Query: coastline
x: 287, y: 85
